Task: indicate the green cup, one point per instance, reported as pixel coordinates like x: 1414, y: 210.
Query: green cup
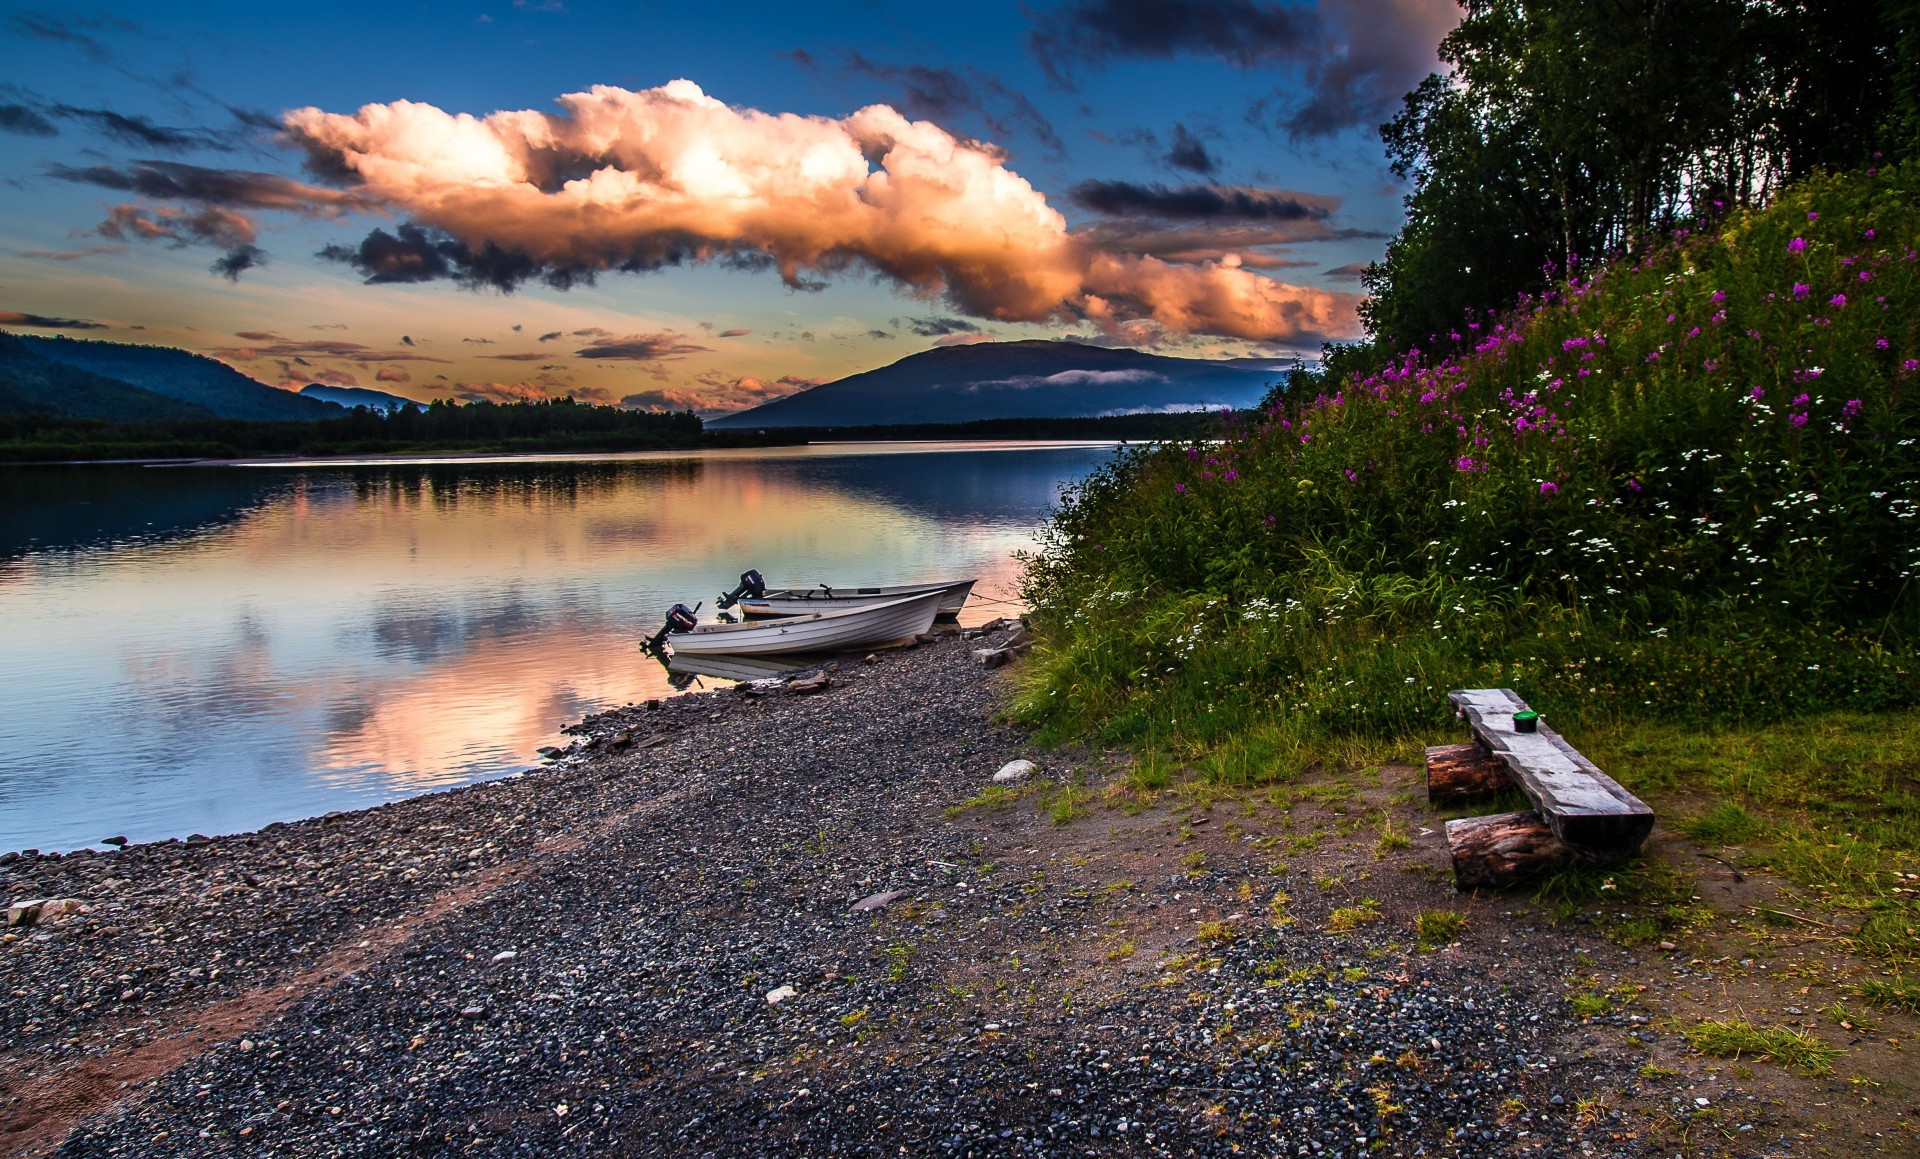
x: 1526, y: 721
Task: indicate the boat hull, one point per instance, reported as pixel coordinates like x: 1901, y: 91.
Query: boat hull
x: 799, y: 601
x: 830, y: 631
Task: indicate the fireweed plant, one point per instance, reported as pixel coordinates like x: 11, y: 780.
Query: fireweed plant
x: 1681, y: 487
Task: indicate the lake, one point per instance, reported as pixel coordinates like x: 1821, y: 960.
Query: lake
x: 213, y: 648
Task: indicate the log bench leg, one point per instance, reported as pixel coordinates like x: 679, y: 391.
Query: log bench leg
x: 1459, y: 772
x: 1503, y: 849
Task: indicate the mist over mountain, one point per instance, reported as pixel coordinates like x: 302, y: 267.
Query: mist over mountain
x: 1003, y: 380
x: 352, y: 396
x: 191, y: 378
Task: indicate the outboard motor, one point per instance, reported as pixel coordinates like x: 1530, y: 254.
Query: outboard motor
x: 750, y: 585
x: 680, y: 618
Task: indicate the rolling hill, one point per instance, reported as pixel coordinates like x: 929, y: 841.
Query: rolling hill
x: 353, y: 396
x: 33, y: 385
x: 191, y: 378
x: 999, y: 380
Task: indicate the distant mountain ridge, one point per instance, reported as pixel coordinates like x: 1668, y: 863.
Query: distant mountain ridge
x: 192, y: 378
x: 1002, y: 380
x: 352, y: 396
x: 31, y: 384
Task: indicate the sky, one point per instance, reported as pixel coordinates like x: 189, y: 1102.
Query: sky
x: 691, y: 205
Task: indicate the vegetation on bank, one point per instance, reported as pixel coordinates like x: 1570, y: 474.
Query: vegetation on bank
x: 556, y: 425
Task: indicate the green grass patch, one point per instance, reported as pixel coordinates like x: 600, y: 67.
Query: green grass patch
x: 1348, y: 918
x: 1738, y: 1038
x: 1435, y: 928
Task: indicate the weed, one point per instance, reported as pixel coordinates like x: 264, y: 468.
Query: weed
x: 1215, y: 933
x: 899, y: 955
x: 1348, y: 918
x: 1391, y: 839
x: 1891, y: 994
x: 1849, y: 1019
x: 1736, y: 1037
x: 1121, y: 951
x: 1727, y: 824
x: 1434, y: 928
x: 992, y: 798
x: 1067, y: 802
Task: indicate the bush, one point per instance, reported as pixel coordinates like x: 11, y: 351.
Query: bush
x: 1685, y: 488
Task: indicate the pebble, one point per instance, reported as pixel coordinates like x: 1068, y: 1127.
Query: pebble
x: 780, y: 994
x: 1013, y: 772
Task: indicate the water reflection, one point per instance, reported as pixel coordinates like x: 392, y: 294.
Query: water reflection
x: 210, y: 649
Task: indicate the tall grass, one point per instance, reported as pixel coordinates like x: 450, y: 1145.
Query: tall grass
x: 1683, y: 488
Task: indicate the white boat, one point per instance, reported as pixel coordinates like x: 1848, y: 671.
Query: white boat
x: 828, y: 631
x: 723, y: 666
x: 797, y: 601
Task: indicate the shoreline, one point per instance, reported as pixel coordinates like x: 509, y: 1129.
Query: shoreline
x: 591, y: 957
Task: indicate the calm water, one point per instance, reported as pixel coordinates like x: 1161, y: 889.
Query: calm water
x: 209, y: 649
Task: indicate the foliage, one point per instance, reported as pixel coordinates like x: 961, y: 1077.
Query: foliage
x: 1683, y: 490
x: 1735, y: 1037
x: 1565, y: 131
x: 558, y: 424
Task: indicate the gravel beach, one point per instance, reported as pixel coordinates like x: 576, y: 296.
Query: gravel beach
x: 772, y: 923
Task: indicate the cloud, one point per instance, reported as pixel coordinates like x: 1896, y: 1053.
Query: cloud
x: 478, y: 341
x: 1350, y: 272
x: 141, y: 132
x: 719, y: 393
x: 43, y: 322
x: 230, y: 188
x: 211, y: 226
x: 73, y: 255
x: 238, y: 260
x: 1200, y: 202
x: 392, y: 374
x: 267, y: 344
x: 965, y: 339
x: 632, y: 181
x: 1358, y: 57
x: 26, y: 122
x: 515, y: 357
x: 639, y: 348
x: 1190, y: 153
x: 550, y: 335
x: 735, y: 333
x: 1073, y: 378
x: 335, y: 377
x: 939, y: 327
x: 945, y: 94
x: 72, y: 30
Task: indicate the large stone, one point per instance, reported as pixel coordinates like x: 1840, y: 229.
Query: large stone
x: 992, y: 657
x: 1014, y: 772
x: 24, y: 913
x: 63, y: 907
x: 780, y: 994
x: 878, y: 900
x: 818, y: 682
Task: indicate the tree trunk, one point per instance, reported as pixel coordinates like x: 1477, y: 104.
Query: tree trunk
x: 1460, y: 772
x: 1502, y: 850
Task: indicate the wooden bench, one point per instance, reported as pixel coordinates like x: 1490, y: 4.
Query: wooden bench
x: 1579, y: 812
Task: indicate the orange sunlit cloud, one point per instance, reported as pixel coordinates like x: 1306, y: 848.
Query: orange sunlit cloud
x: 633, y: 180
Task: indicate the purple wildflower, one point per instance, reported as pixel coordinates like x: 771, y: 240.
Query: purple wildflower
x: 1179, y: 488
x: 1549, y: 488
x: 1837, y: 300
x: 1797, y: 246
x: 1800, y: 289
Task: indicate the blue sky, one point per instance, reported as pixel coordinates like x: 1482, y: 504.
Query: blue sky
x: 1200, y: 178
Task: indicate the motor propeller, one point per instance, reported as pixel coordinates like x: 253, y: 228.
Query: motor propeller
x: 750, y: 585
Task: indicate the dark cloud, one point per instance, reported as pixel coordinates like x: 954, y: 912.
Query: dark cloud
x: 140, y: 131
x: 878, y: 334
x: 940, y: 327
x: 73, y: 255
x: 1249, y: 244
x: 550, y: 336
x: 946, y: 95
x: 239, y: 260
x: 1190, y: 153
x: 514, y: 357
x: 735, y: 333
x: 1092, y: 33
x: 267, y: 344
x: 478, y: 341
x: 1350, y: 272
x: 26, y: 122
x: 74, y: 30
x: 210, y: 225
x: 232, y: 188
x: 1358, y: 58
x: 43, y: 322
x: 1199, y: 202
x: 412, y: 253
x: 406, y: 340
x: 639, y: 347
x: 392, y: 374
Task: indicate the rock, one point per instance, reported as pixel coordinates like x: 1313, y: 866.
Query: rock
x: 505, y: 956
x: 1013, y: 772
x: 1020, y: 640
x: 118, y: 840
x: 877, y: 901
x: 926, y: 638
x: 474, y: 1012
x: 780, y: 994
x: 620, y: 740
x: 199, y: 839
x: 1668, y: 946
x: 870, y: 658
x: 992, y: 657
x: 818, y: 682
x: 552, y: 752
x: 62, y: 907
x: 9, y: 857
x: 24, y: 913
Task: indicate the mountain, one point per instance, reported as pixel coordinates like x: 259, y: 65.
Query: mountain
x: 191, y: 378
x: 352, y: 396
x: 1033, y: 379
x: 30, y: 384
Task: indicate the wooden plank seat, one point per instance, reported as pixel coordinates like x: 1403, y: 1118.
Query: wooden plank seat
x: 1579, y: 811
